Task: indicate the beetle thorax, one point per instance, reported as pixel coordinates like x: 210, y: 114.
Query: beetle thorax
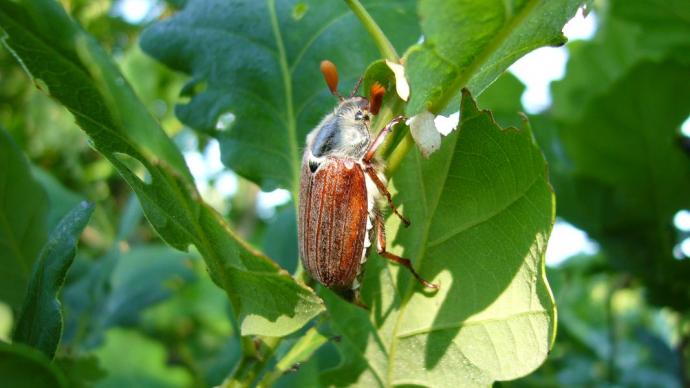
x: 343, y: 133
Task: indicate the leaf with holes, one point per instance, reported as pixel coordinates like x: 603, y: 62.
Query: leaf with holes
x: 67, y: 63
x: 259, y: 61
x: 481, y: 210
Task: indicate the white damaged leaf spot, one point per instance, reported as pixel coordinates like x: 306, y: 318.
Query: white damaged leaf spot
x: 424, y: 133
x: 446, y: 125
x: 401, y: 85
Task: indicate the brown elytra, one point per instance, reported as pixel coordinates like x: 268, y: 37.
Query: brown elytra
x: 333, y: 221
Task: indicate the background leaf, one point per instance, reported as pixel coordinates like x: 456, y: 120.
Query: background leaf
x: 23, y: 366
x: 259, y: 61
x: 60, y: 199
x: 624, y: 158
x: 23, y: 213
x: 634, y: 32
x: 144, y: 366
x: 40, y: 320
x: 80, y: 372
x: 90, y: 86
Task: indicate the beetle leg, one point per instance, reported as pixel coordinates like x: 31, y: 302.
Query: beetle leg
x: 380, y: 138
x: 383, y: 190
x: 381, y: 249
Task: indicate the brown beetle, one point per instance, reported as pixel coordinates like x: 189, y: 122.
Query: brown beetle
x: 340, y: 187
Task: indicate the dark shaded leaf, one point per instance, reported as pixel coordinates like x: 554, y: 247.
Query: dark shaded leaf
x: 625, y: 175
x: 69, y: 64
x: 81, y: 372
x: 635, y: 31
x: 23, y: 366
x: 40, y: 320
x: 60, y: 199
x: 280, y: 241
x: 23, y: 213
x: 133, y: 360
x: 259, y: 60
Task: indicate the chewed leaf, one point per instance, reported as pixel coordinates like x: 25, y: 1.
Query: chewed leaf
x: 481, y: 210
x: 425, y: 134
x: 401, y: 85
x: 268, y: 75
x: 84, y: 78
x: 470, y: 43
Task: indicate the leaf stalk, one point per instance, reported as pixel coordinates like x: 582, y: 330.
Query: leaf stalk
x: 384, y: 45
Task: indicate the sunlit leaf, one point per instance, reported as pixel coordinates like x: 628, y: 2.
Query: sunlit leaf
x: 481, y: 211
x: 469, y: 43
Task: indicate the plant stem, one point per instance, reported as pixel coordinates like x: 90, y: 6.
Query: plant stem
x: 398, y: 154
x: 253, y: 362
x: 385, y: 46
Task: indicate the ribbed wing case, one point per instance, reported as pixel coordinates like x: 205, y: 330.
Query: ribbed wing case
x: 333, y: 221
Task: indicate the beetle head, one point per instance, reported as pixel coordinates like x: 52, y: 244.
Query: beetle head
x: 330, y: 74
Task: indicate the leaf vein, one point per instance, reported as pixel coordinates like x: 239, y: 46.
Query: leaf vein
x: 488, y: 218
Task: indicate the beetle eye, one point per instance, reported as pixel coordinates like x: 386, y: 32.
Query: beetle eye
x: 359, y: 115
x: 313, y: 166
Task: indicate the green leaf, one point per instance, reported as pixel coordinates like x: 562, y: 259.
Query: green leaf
x: 280, y: 241
x: 115, y: 290
x: 40, y: 320
x: 131, y: 359
x: 143, y: 277
x: 633, y: 32
x: 627, y: 175
x: 502, y: 98
x: 259, y: 60
x: 60, y: 199
x: 606, y: 332
x: 23, y: 366
x: 469, y: 43
x: 203, y: 331
x: 299, y: 352
x: 23, y: 213
x: 81, y: 372
x: 481, y: 210
x: 664, y: 24
x: 67, y: 63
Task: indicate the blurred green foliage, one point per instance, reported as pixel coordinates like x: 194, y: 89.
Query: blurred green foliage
x: 131, y: 306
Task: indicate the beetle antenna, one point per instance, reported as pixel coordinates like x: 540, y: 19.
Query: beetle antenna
x: 330, y: 74
x: 376, y: 98
x: 356, y: 88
